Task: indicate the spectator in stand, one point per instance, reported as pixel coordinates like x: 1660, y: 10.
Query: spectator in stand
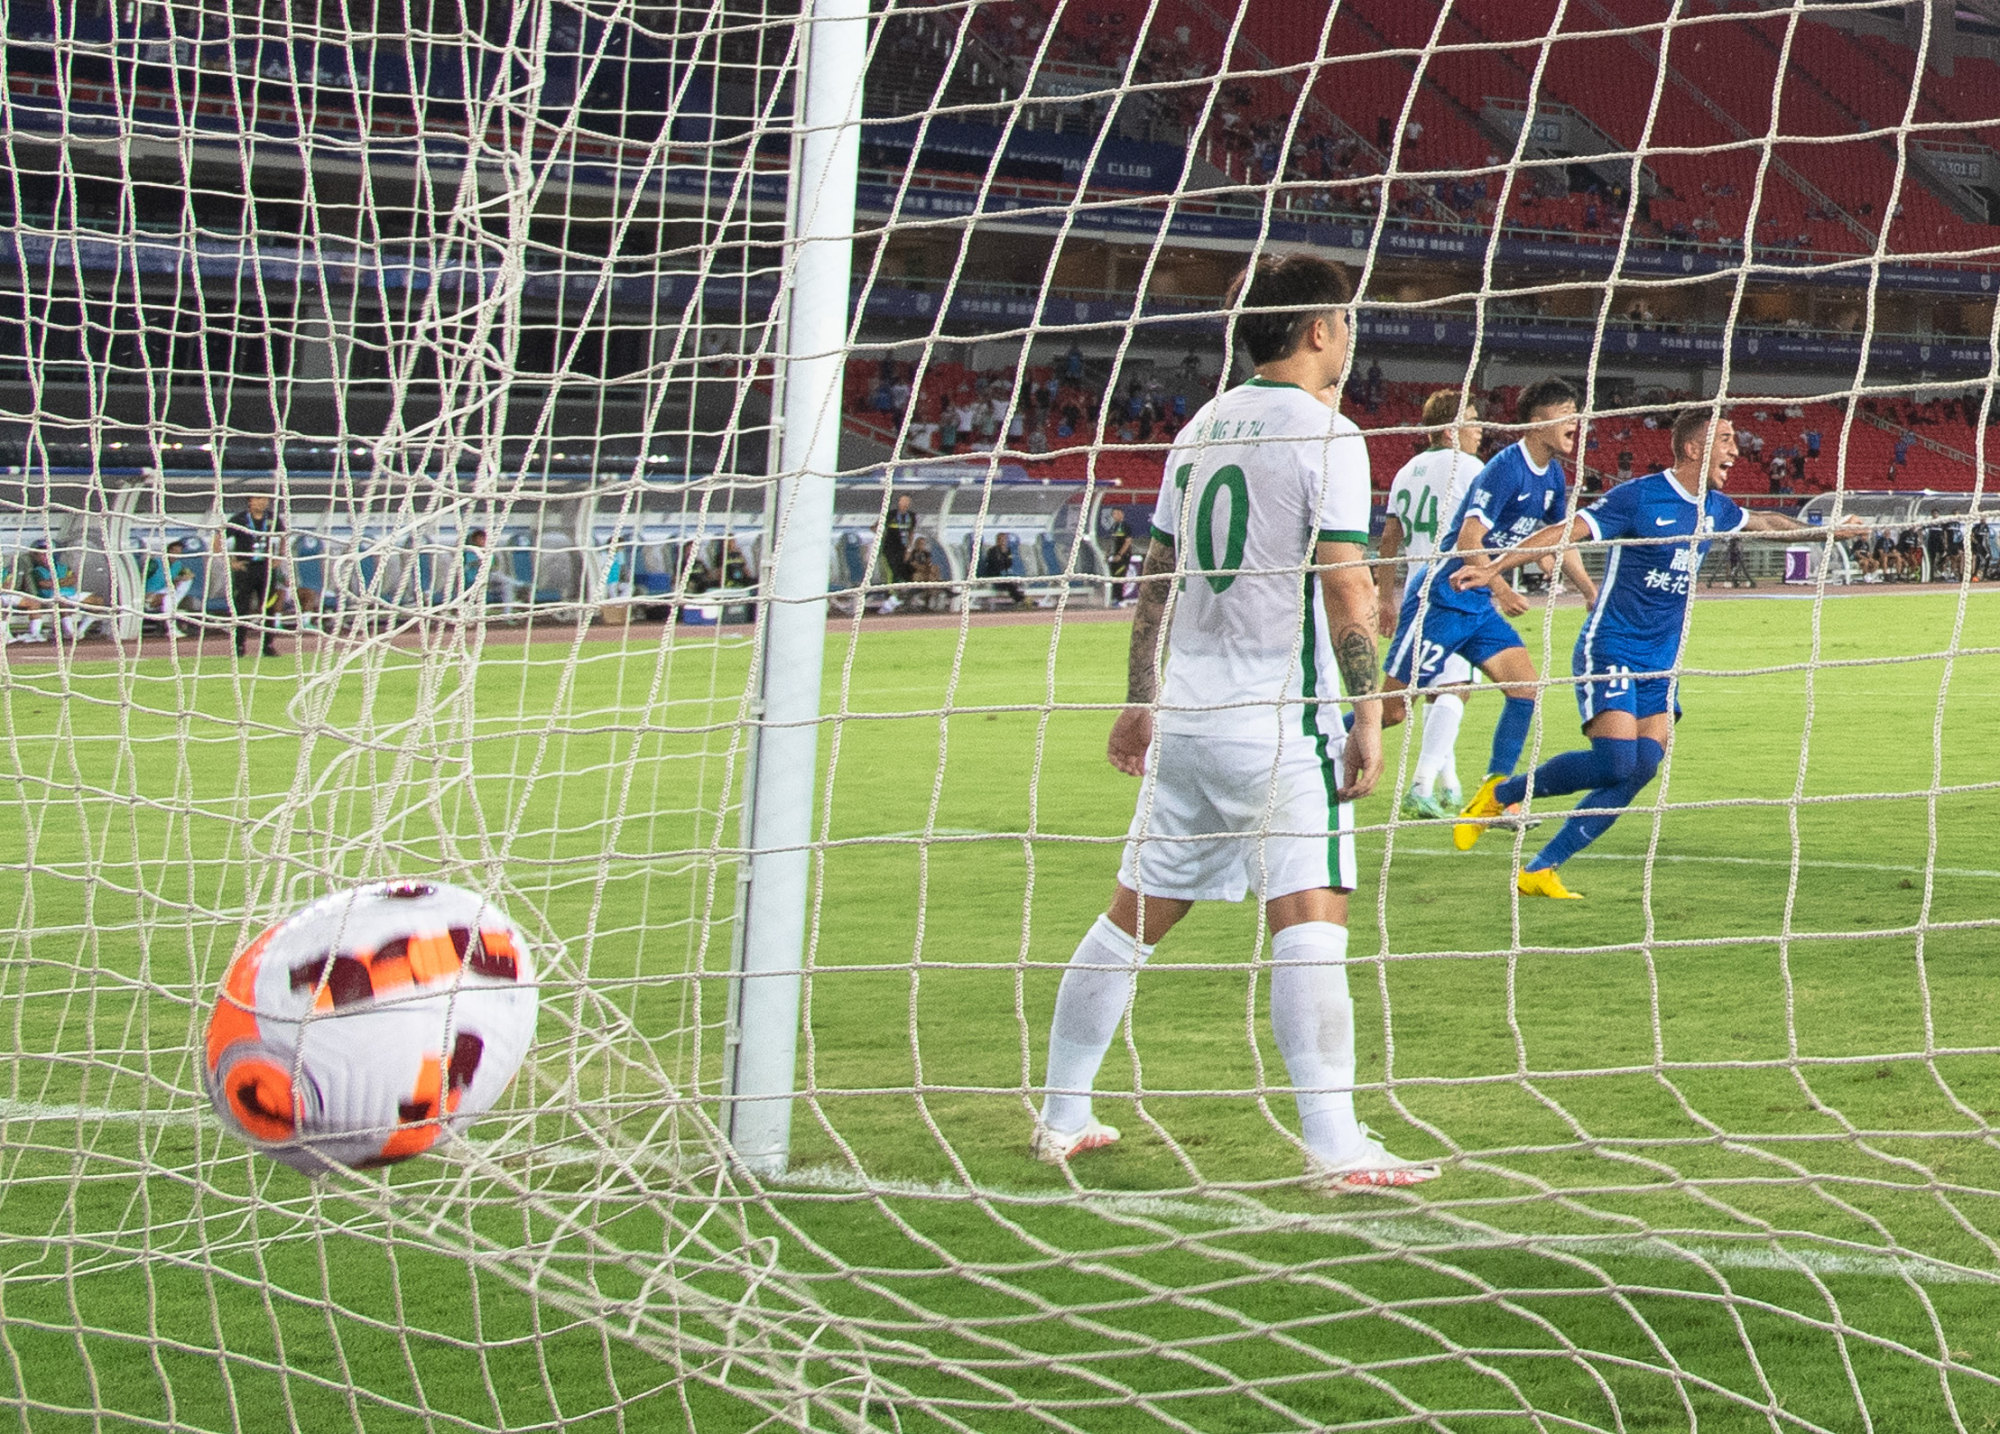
x: 167, y: 580
x: 736, y: 569
x: 947, y: 439
x: 472, y: 562
x: 1985, y: 552
x: 924, y: 572
x: 1910, y: 554
x: 1073, y: 364
x: 1625, y: 465
x: 1903, y: 442
x: 998, y: 562
x: 699, y: 577
x: 55, y: 588
x: 1885, y: 554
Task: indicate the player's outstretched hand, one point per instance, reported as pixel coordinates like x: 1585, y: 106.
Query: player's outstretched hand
x: 1361, y: 758
x: 1131, y: 735
x: 1511, y: 601
x: 1474, y: 574
x: 1387, y: 617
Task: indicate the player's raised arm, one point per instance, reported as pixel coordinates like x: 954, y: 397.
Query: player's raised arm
x: 1776, y: 525
x: 1530, y: 549
x: 1349, y: 591
x: 1132, y: 733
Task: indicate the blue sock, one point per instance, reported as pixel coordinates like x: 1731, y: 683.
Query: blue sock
x: 1510, y: 735
x: 1579, y: 832
x: 1610, y: 761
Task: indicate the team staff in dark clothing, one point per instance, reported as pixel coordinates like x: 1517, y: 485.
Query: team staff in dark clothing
x: 1118, y: 552
x: 998, y: 562
x: 254, y: 540
x: 899, y: 535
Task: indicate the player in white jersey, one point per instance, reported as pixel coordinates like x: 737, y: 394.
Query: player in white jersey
x: 1427, y: 491
x: 1259, y: 546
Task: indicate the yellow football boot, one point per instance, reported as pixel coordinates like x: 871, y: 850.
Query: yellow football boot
x: 1478, y: 812
x: 1545, y: 883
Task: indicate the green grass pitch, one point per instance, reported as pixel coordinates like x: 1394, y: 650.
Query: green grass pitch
x: 1719, y: 1138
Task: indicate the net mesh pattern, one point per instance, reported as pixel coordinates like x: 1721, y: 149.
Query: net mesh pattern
x: 1720, y: 1155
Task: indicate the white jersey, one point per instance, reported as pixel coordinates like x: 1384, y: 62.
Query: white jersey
x: 1257, y: 477
x: 1425, y: 494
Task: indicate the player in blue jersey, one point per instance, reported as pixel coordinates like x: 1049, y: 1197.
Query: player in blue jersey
x: 1520, y: 491
x: 1658, y: 529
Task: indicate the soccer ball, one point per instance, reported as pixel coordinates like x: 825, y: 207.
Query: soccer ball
x: 354, y: 1032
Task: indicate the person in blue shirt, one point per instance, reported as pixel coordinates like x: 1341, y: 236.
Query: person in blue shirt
x: 1519, y: 491
x: 1658, y: 529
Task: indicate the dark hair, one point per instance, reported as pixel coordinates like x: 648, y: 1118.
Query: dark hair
x: 474, y: 534
x: 1278, y: 299
x: 1688, y: 423
x: 1546, y: 393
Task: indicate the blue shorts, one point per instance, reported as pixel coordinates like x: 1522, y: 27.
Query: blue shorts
x: 1607, y: 685
x: 1448, y: 632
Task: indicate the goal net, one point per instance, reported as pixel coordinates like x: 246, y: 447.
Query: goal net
x: 499, y: 309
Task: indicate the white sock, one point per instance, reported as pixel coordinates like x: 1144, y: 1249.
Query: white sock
x: 1434, y: 757
x: 35, y: 628
x: 1312, y: 1016
x: 1089, y: 1007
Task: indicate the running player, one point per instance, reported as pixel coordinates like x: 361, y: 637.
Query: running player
x: 1246, y: 785
x: 1521, y: 490
x: 1426, y: 492
x: 1630, y: 645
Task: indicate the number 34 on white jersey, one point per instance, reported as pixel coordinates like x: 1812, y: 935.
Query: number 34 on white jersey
x: 1426, y: 495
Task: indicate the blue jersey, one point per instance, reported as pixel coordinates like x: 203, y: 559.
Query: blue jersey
x: 1513, y: 499
x: 1642, y: 603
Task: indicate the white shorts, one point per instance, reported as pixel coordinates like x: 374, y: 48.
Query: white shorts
x: 1210, y: 826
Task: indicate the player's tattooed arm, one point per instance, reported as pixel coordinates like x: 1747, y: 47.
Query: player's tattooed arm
x: 1347, y: 587
x: 1349, y: 592
x: 1132, y: 733
x: 1142, y: 679
x: 1360, y: 664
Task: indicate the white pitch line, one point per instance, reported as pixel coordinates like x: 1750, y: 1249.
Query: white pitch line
x: 1421, y: 1233
x: 1424, y: 1232
x: 1665, y: 858
x: 1678, y: 859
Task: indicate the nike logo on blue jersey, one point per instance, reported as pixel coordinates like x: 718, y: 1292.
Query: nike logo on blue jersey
x: 1663, y: 522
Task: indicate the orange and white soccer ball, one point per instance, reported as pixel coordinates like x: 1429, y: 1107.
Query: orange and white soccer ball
x: 356, y: 1031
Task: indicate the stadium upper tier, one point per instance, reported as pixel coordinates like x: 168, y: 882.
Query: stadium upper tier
x: 1323, y: 106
